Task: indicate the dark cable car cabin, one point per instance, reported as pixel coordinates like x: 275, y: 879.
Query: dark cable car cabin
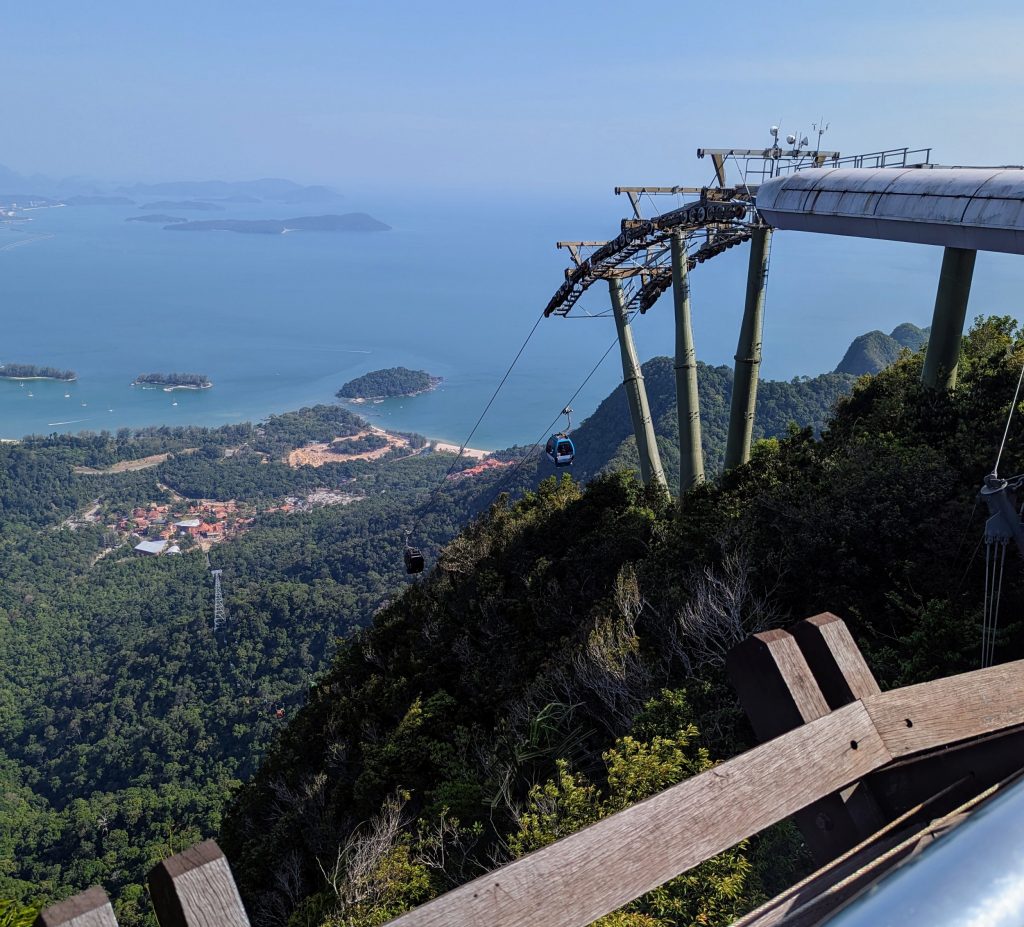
x: 413, y: 560
x: 560, y: 449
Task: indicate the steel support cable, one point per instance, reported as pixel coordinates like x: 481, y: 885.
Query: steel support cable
x: 547, y: 431
x: 430, y: 499
x: 1009, y: 417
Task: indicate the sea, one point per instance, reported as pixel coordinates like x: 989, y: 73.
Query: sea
x: 282, y: 321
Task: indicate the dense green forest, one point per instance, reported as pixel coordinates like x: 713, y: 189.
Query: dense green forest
x: 126, y: 727
x: 392, y: 381
x: 605, y: 440
x: 565, y: 656
x: 124, y: 724
x: 15, y: 371
x: 196, y: 380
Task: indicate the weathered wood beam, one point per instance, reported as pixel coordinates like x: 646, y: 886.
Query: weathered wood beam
x: 602, y: 867
x: 90, y: 908
x: 779, y: 692
x: 196, y: 889
x: 836, y: 661
x: 944, y: 711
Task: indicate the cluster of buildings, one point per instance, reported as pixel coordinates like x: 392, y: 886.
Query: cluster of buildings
x: 161, y: 530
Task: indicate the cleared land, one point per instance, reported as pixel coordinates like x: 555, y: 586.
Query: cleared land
x: 126, y: 466
x: 316, y: 455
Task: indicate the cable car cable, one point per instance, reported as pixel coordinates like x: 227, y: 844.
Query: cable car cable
x: 430, y: 499
x: 536, y: 444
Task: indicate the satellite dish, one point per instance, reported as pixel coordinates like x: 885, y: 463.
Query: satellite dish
x: 775, y: 131
x: 791, y: 139
x: 803, y: 141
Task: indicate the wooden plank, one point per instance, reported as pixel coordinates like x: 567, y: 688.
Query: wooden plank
x: 980, y: 762
x: 196, y: 889
x: 90, y: 908
x: 933, y: 714
x: 835, y: 659
x: 582, y: 877
x: 775, y: 685
x: 779, y: 691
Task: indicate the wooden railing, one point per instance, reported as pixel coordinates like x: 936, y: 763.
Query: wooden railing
x: 839, y: 755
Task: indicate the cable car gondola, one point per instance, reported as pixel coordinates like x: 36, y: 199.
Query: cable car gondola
x: 413, y: 560
x: 560, y: 449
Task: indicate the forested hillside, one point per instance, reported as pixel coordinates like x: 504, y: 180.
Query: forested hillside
x: 605, y: 440
x: 124, y: 723
x: 565, y: 657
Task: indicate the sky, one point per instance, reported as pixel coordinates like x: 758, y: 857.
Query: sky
x: 525, y: 98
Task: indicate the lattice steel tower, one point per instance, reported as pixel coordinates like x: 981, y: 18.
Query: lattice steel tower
x: 220, y: 617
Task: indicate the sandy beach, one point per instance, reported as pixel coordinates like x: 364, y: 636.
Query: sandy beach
x: 473, y: 452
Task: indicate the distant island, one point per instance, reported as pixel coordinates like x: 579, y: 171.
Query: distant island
x: 87, y: 200
x: 349, y: 222
x: 201, y: 205
x: 388, y: 383
x: 32, y: 372
x: 170, y: 381
x: 156, y: 217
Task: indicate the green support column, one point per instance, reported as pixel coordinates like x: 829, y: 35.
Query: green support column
x: 633, y: 381
x: 748, y: 353
x: 691, y: 448
x: 943, y: 355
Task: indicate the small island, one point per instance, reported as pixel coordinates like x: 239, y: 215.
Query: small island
x: 158, y: 217
x: 349, y: 222
x: 172, y: 381
x: 32, y: 372
x: 388, y: 383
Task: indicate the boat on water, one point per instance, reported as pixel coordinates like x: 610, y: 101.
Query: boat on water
x: 30, y: 395
x: 67, y: 395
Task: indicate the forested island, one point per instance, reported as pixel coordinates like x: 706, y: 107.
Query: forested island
x: 32, y: 372
x: 169, y: 381
x: 388, y: 383
x: 348, y: 222
x: 160, y: 218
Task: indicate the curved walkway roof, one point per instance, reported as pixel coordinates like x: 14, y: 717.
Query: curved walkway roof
x: 977, y: 208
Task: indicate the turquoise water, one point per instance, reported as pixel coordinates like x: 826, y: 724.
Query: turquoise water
x: 278, y: 322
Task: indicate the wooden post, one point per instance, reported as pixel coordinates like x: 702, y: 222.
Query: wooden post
x: 196, y: 889
x: 779, y: 692
x: 90, y: 908
x: 839, y: 667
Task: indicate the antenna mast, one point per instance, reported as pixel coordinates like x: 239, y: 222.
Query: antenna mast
x: 220, y: 617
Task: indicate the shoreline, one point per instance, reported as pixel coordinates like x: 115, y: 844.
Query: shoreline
x: 171, y: 387
x: 55, y: 379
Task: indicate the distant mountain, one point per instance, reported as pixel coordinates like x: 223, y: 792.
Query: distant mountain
x: 285, y: 191
x: 349, y: 222
x: 875, y: 350
x: 275, y: 189
x: 94, y: 200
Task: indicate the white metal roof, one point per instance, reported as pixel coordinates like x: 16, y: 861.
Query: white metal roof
x: 188, y: 523
x: 151, y: 547
x: 977, y: 208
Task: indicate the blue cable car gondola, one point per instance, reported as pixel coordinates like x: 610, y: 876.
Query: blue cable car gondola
x: 560, y: 449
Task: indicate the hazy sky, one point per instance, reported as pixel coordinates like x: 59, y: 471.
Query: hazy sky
x: 519, y: 97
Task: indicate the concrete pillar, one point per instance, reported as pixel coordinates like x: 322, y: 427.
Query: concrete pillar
x: 943, y: 354
x: 691, y: 448
x: 633, y: 381
x: 748, y: 353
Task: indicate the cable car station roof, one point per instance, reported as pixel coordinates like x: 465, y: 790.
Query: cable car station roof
x: 980, y: 209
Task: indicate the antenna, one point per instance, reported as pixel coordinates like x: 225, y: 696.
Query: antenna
x: 821, y: 127
x: 220, y: 617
